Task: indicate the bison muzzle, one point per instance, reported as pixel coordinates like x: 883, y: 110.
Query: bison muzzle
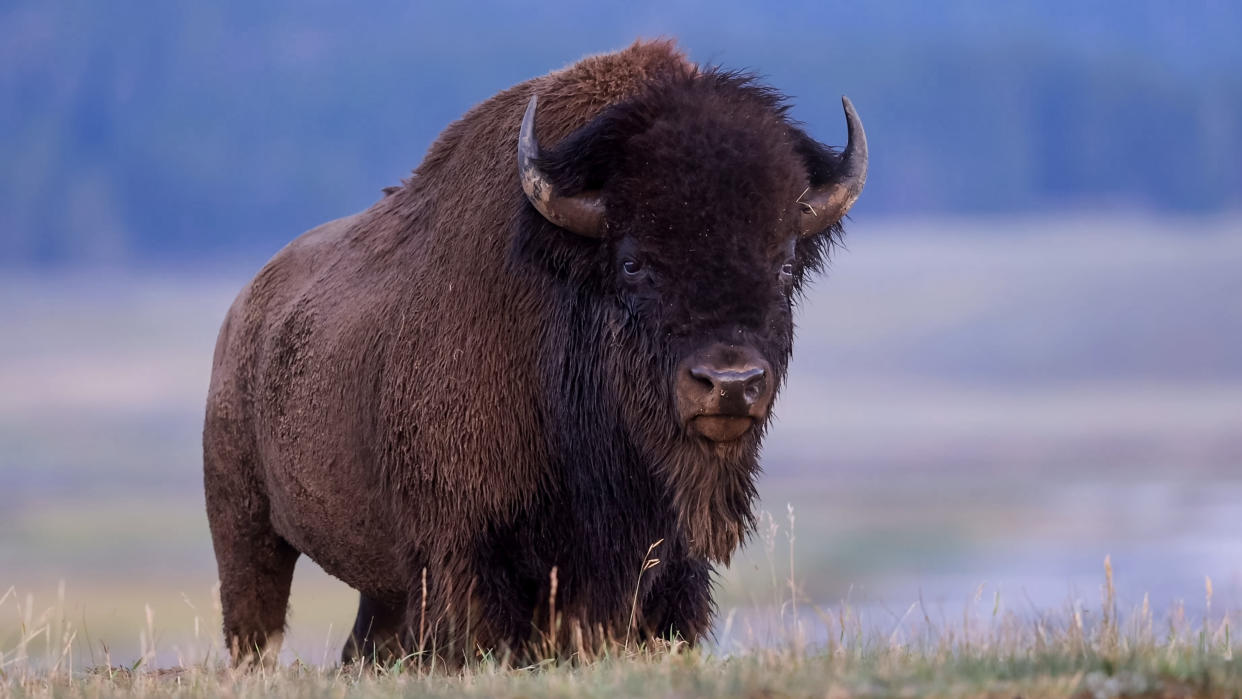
x: 481, y: 401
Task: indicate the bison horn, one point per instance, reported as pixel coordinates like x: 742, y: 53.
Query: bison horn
x: 824, y: 206
x: 582, y: 213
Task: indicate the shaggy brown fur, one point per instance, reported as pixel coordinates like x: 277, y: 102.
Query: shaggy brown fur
x: 448, y: 402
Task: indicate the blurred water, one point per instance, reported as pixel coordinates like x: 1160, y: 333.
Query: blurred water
x: 1001, y: 402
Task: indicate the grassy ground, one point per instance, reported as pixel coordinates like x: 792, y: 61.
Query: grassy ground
x: 871, y: 673
x: 1080, y: 652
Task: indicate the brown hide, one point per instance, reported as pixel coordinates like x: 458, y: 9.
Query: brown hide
x: 388, y: 397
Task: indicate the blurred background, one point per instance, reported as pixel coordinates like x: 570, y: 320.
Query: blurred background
x: 1027, y: 357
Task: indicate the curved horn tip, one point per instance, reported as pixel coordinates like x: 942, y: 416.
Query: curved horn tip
x: 529, y: 116
x: 853, y: 124
x: 528, y: 147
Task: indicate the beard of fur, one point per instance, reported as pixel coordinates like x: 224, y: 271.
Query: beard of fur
x: 711, y: 485
x: 713, y: 488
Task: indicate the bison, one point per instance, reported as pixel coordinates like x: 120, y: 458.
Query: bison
x: 546, y: 358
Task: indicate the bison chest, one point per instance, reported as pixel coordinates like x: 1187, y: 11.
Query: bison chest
x: 596, y: 554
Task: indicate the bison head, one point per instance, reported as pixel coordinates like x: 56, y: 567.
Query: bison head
x: 700, y: 208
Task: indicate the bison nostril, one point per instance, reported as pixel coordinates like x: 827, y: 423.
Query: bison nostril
x: 754, y: 387
x: 704, y: 376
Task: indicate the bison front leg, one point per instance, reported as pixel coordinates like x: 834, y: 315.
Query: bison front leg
x: 256, y: 571
x: 679, y: 605
x: 255, y: 563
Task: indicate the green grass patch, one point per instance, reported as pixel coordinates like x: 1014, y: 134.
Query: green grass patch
x: 1077, y: 652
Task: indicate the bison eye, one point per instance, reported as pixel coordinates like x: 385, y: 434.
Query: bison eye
x: 787, y: 270
x: 631, y: 267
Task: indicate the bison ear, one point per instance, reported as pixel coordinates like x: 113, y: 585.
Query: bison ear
x: 836, y: 179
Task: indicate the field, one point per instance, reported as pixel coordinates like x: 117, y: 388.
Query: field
x: 975, y: 420
x: 1082, y: 652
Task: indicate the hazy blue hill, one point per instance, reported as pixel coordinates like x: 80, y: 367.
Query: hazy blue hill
x: 157, y: 130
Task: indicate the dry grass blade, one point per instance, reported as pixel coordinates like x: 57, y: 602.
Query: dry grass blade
x: 648, y: 564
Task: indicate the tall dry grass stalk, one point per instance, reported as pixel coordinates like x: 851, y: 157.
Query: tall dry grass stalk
x: 648, y: 563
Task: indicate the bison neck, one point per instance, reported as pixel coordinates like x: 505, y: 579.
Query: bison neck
x: 623, y: 475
